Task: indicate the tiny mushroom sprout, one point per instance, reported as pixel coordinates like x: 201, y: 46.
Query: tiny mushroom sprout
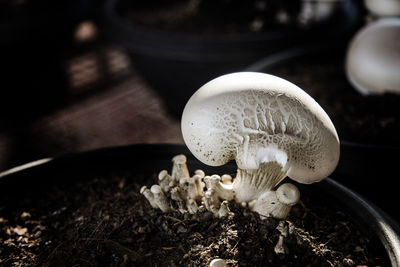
x: 269, y: 126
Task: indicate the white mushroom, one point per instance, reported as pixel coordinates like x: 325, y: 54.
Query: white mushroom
x: 218, y: 263
x: 383, y: 8
x: 223, y: 191
x: 224, y: 209
x: 165, y: 181
x: 373, y: 58
x: 277, y: 203
x: 288, y: 194
x: 179, y: 168
x: 176, y: 195
x: 149, y: 196
x: 159, y: 198
x: 269, y: 126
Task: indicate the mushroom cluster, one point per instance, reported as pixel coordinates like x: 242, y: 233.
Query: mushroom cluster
x: 189, y: 194
x: 269, y: 126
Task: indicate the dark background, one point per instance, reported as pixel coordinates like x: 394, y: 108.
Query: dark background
x: 66, y: 86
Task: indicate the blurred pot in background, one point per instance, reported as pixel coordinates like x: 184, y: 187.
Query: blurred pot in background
x: 180, y: 45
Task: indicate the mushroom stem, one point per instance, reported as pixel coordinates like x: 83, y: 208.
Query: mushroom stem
x: 179, y: 168
x: 224, y: 209
x: 176, y: 195
x: 165, y: 181
x: 211, y: 201
x: 223, y: 191
x: 200, y: 173
x: 250, y: 184
x: 192, y: 206
x: 159, y: 198
x: 149, y: 196
x: 195, y: 187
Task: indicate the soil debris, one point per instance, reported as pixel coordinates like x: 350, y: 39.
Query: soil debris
x: 99, y: 222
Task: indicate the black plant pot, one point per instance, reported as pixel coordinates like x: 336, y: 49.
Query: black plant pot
x: 35, y: 177
x: 369, y: 169
x: 177, y: 64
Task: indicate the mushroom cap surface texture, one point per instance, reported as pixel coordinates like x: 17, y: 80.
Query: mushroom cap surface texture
x: 373, y: 58
x: 255, y: 117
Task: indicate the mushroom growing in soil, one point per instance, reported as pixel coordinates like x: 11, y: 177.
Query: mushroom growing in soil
x: 373, y: 58
x: 271, y: 128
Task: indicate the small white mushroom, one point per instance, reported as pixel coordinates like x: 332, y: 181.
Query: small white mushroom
x: 226, y: 179
x: 179, y: 168
x: 223, y: 191
x: 207, y: 181
x: 149, y: 196
x: 195, y: 187
x: 212, y: 202
x: 224, y: 209
x: 165, y: 181
x: 373, y: 57
x: 200, y: 173
x: 199, y: 183
x: 287, y: 195
x: 269, y: 126
x: 218, y: 263
x: 270, y: 203
x: 159, y: 198
x: 192, y: 191
x: 176, y: 195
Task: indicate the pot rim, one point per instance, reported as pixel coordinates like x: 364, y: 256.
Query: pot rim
x: 386, y: 229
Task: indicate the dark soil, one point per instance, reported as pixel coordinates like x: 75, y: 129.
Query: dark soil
x: 357, y: 118
x: 106, y: 222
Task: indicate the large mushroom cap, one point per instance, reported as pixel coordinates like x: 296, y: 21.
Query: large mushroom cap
x: 373, y: 58
x: 254, y: 117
